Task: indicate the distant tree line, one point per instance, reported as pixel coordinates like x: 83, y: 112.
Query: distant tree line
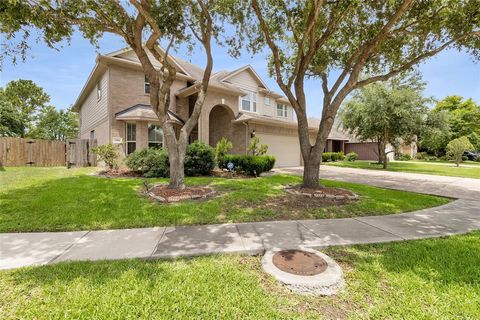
x: 26, y: 112
x: 396, y: 112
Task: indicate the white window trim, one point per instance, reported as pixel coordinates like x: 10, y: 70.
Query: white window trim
x: 284, y: 111
x: 145, y: 82
x: 99, y: 91
x: 253, y: 100
x: 126, y: 136
x: 148, y: 138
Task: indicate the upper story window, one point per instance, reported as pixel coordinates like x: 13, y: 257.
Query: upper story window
x: 155, y: 136
x: 267, y: 101
x: 92, y: 135
x: 249, y: 102
x: 282, y: 110
x: 146, y: 85
x: 99, y: 91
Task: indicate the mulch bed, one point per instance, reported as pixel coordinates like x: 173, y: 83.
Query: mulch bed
x: 119, y: 173
x: 321, y: 192
x: 162, y: 193
x: 232, y: 175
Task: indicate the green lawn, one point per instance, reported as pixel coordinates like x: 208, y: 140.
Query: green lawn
x: 423, y: 279
x: 416, y: 167
x: 55, y: 199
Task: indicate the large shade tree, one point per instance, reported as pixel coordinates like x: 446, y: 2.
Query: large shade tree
x: 144, y: 25
x: 29, y: 100
x: 338, y: 41
x: 53, y: 124
x: 464, y: 117
x: 387, y: 113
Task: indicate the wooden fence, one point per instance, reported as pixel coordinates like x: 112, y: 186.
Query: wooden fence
x: 46, y: 153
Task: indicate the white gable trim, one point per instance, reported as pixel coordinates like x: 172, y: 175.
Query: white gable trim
x: 242, y: 69
x: 170, y: 58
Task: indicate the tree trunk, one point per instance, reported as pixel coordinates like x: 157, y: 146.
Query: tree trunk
x: 177, y: 148
x: 311, y: 171
x: 379, y: 146
x: 383, y: 155
x: 177, y: 173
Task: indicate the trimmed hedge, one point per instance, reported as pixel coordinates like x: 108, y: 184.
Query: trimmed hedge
x: 150, y: 162
x: 251, y: 165
x: 199, y: 159
x: 332, y: 156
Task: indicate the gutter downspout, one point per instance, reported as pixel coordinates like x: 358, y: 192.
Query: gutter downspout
x: 246, y: 137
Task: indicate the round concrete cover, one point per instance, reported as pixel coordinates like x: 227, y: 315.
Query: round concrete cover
x: 328, y: 282
x: 299, y: 262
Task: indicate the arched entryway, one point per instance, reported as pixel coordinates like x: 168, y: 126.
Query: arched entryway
x: 220, y: 124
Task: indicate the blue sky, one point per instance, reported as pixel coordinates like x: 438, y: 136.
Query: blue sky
x: 63, y: 73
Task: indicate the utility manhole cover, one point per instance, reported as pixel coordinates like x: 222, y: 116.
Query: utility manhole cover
x: 299, y: 262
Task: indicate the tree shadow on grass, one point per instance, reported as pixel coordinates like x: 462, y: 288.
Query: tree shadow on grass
x: 446, y: 260
x: 88, y: 202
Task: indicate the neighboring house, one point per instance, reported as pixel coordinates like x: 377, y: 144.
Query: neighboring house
x: 114, y: 108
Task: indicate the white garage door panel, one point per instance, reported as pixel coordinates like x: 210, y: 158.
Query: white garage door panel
x: 285, y: 149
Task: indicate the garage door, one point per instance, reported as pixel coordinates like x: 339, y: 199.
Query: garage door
x: 285, y: 149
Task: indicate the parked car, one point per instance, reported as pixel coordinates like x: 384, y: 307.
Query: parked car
x: 472, y: 156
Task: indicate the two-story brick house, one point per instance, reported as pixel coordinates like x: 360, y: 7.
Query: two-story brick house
x: 114, y: 108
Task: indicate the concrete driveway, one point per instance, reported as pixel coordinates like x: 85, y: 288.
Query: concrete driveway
x: 454, y: 187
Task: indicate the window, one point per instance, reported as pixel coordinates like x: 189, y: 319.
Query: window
x: 282, y: 110
x: 99, y: 91
x: 146, y: 85
x: 155, y: 136
x: 92, y: 135
x: 249, y: 102
x: 131, y: 139
x: 267, y: 101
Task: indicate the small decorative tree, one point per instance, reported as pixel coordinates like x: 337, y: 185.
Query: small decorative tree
x: 257, y: 149
x: 457, y: 147
x: 223, y: 147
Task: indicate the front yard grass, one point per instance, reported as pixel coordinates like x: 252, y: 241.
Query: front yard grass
x: 59, y: 199
x: 422, y: 279
x: 439, y: 169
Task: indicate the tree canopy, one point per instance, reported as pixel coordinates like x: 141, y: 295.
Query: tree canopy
x: 386, y: 113
x: 28, y: 99
x: 144, y: 25
x: 25, y: 111
x: 464, y: 117
x: 338, y: 41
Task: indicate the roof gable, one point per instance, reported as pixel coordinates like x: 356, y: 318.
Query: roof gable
x: 129, y: 54
x: 245, y: 77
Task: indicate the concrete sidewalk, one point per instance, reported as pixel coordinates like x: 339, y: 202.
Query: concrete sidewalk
x: 454, y: 187
x: 25, y: 249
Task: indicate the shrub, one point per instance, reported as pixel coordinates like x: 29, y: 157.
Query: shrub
x: 222, y: 148
x: 251, y: 165
x: 477, y: 159
x: 108, y: 153
x: 431, y: 158
x: 327, y: 156
x: 150, y: 162
x: 336, y: 156
x: 404, y: 157
x: 332, y: 156
x: 464, y: 158
x: 352, y: 156
x: 421, y: 156
x: 199, y: 159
